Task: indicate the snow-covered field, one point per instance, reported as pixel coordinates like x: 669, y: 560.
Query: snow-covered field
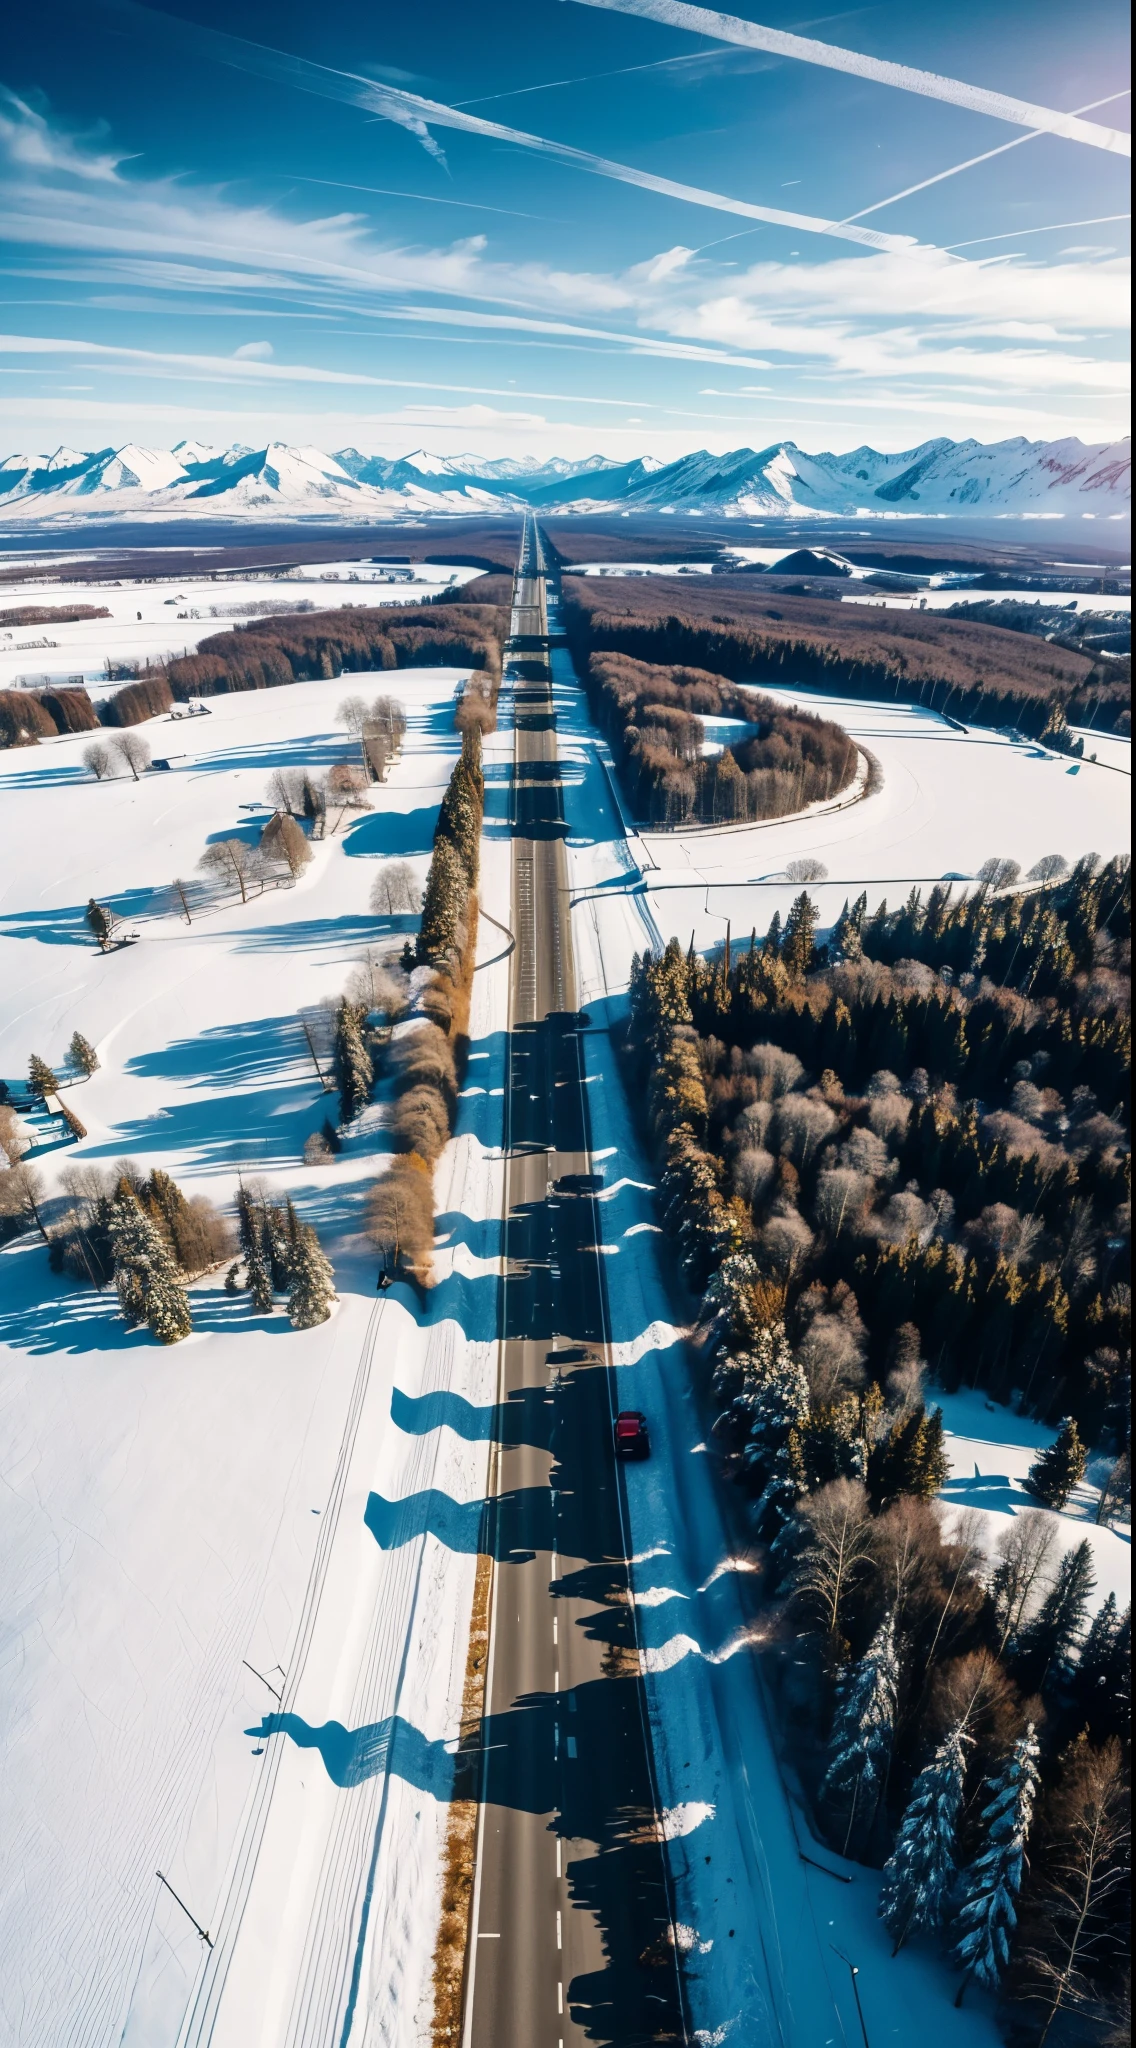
x: 772, y: 1938
x: 949, y: 800
x: 183, y: 1544
x: 183, y: 1533
x: 991, y: 1450
x: 152, y: 621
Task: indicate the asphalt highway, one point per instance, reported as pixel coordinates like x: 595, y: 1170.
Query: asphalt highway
x: 569, y: 1935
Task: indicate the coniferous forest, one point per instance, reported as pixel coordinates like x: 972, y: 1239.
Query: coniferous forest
x: 894, y: 1163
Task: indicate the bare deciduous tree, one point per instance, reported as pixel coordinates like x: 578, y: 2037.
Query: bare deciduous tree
x: 1049, y: 868
x: 283, y: 840
x: 1074, y: 1926
x: 1024, y: 1550
x: 132, y: 751
x: 806, y: 870
x: 14, y: 1140
x: 837, y: 1550
x: 353, y: 714
x: 233, y: 860
x: 396, y: 890
x: 97, y: 757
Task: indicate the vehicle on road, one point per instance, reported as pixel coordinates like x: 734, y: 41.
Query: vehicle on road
x: 631, y: 1437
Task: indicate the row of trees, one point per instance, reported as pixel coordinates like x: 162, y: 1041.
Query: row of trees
x: 653, y: 717
x: 829, y: 1224
x: 969, y: 671
x: 270, y: 652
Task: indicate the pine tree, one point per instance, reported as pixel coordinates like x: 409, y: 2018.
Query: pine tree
x: 920, y: 1870
x: 1047, y: 1644
x: 771, y: 944
x: 932, y: 1466
x: 1058, y: 1469
x: 1100, y: 1687
x: 354, y: 1072
x: 149, y: 1287
x: 312, y: 1281
x: 82, y: 1055
x: 258, y: 1279
x: 280, y: 1227
x: 985, y: 1915
x: 41, y: 1079
x: 863, y: 1732
x: 800, y: 933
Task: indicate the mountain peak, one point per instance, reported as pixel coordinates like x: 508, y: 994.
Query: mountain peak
x: 939, y: 478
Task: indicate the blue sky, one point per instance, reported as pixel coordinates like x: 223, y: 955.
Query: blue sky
x: 202, y: 238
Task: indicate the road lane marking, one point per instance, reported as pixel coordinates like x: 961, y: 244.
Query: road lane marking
x: 559, y: 1930
x: 560, y: 1998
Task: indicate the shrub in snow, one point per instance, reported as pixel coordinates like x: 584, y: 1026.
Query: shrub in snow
x: 920, y: 1871
x: 985, y: 1913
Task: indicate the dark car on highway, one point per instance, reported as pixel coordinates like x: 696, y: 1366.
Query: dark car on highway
x: 631, y: 1438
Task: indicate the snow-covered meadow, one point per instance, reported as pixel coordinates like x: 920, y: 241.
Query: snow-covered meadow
x: 742, y: 1842
x: 151, y: 621
x: 948, y: 801
x: 182, y: 1531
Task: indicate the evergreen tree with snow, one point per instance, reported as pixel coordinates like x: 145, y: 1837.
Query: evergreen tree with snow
x: 920, y: 1871
x: 863, y: 1732
x: 258, y: 1278
x: 1047, y: 1646
x: 145, y: 1272
x: 354, y: 1073
x: 279, y: 1236
x: 1055, y: 1474
x: 985, y: 1915
x: 41, y: 1080
x: 312, y: 1288
x: 82, y: 1055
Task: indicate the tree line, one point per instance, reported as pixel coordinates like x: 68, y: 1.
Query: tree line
x: 975, y: 673
x: 266, y: 654
x: 882, y: 1161
x: 654, y: 720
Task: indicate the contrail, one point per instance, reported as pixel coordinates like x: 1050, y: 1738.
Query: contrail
x: 970, y: 162
x: 727, y: 28
x: 410, y: 111
x: 1054, y: 227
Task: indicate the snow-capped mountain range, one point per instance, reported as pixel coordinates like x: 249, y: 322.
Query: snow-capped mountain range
x: 195, y: 482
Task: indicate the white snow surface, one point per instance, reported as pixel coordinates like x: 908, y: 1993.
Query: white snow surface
x: 781, y: 1933
x: 991, y: 1450
x: 183, y: 1542
x: 949, y: 800
x: 152, y: 621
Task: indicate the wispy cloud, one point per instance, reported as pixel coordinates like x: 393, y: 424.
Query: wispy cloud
x: 977, y: 99
x: 420, y: 116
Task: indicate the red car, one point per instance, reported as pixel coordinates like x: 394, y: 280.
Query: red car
x: 631, y: 1438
